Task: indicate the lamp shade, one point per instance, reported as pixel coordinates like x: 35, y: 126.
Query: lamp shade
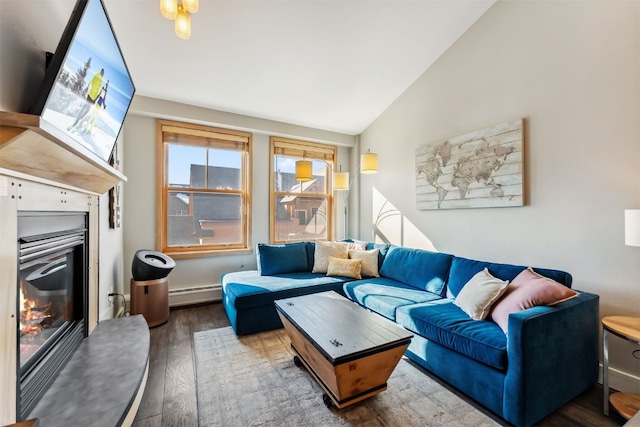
x: 632, y: 227
x: 183, y: 24
x: 304, y: 170
x: 169, y: 9
x: 341, y: 181
x: 369, y: 162
x: 190, y: 6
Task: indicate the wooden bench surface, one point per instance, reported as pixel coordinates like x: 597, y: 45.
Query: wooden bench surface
x: 341, y: 330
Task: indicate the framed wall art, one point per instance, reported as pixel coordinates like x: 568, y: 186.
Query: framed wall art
x: 480, y: 169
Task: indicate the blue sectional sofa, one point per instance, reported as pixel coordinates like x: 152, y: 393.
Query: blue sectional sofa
x: 546, y: 356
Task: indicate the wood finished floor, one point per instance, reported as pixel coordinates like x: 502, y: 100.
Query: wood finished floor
x: 170, y: 396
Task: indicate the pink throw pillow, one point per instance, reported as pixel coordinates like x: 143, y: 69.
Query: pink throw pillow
x: 528, y: 289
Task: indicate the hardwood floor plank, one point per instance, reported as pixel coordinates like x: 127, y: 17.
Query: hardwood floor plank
x: 180, y: 395
x: 179, y: 328
x: 205, y: 320
x: 219, y: 316
x: 153, y: 398
x: 155, y: 421
x: 170, y: 395
x: 180, y: 407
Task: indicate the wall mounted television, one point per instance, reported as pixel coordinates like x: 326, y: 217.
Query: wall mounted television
x: 87, y: 87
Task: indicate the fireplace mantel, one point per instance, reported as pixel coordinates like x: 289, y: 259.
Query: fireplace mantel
x: 31, y: 145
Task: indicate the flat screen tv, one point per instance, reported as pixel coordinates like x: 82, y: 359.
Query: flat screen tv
x: 87, y: 88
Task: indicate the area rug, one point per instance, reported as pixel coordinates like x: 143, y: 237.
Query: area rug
x: 252, y: 381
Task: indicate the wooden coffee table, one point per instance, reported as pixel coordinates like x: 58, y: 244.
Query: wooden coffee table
x: 348, y: 350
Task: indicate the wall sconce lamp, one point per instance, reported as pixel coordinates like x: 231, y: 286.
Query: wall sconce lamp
x: 369, y: 162
x: 632, y: 227
x: 181, y: 14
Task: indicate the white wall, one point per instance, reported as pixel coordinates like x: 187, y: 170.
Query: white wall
x: 110, y: 275
x: 139, y: 207
x: 572, y: 71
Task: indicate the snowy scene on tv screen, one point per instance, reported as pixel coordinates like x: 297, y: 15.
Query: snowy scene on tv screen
x: 93, y: 90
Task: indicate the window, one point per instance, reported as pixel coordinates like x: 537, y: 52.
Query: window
x: 204, y: 200
x: 300, y: 210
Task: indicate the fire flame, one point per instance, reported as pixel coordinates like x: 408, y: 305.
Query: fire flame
x: 31, y: 316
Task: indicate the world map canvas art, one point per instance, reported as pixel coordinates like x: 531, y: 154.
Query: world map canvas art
x: 480, y: 169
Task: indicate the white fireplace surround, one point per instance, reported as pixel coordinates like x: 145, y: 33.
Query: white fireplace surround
x: 41, y: 171
x: 19, y: 194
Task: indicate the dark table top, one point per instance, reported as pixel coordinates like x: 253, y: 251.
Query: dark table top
x: 340, y: 329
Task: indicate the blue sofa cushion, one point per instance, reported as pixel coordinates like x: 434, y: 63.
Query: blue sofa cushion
x: 417, y: 267
x: 445, y: 323
x: 463, y: 269
x: 384, y: 295
x: 311, y: 254
x: 247, y: 289
x: 282, y: 259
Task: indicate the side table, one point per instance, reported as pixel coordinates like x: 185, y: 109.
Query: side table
x: 628, y: 328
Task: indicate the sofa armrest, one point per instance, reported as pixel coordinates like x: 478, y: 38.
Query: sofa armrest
x: 553, y: 357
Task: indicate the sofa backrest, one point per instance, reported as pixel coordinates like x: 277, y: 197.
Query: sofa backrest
x: 463, y: 269
x: 419, y: 268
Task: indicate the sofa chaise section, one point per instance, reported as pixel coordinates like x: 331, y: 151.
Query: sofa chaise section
x: 248, y: 297
x: 284, y: 271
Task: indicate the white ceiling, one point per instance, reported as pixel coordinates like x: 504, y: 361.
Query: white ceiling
x: 333, y: 65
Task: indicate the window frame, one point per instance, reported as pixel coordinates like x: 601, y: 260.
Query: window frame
x: 215, y: 138
x: 309, y: 151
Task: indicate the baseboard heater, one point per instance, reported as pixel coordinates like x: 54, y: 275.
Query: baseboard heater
x: 195, y: 295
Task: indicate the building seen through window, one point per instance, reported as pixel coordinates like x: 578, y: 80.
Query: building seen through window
x: 205, y: 189
x: 301, y: 210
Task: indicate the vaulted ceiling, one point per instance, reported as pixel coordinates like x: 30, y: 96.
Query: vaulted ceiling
x: 329, y: 64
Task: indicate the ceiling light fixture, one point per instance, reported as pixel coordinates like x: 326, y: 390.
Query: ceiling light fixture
x: 180, y: 12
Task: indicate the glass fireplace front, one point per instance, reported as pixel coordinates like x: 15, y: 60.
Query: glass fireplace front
x: 52, y: 295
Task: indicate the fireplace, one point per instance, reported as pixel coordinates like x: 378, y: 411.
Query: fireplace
x: 52, y: 298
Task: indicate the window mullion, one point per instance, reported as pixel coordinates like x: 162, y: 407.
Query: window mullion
x: 206, y: 168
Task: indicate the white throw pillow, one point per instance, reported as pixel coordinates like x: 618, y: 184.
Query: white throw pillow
x: 369, y: 261
x: 479, y: 293
x: 323, y: 251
